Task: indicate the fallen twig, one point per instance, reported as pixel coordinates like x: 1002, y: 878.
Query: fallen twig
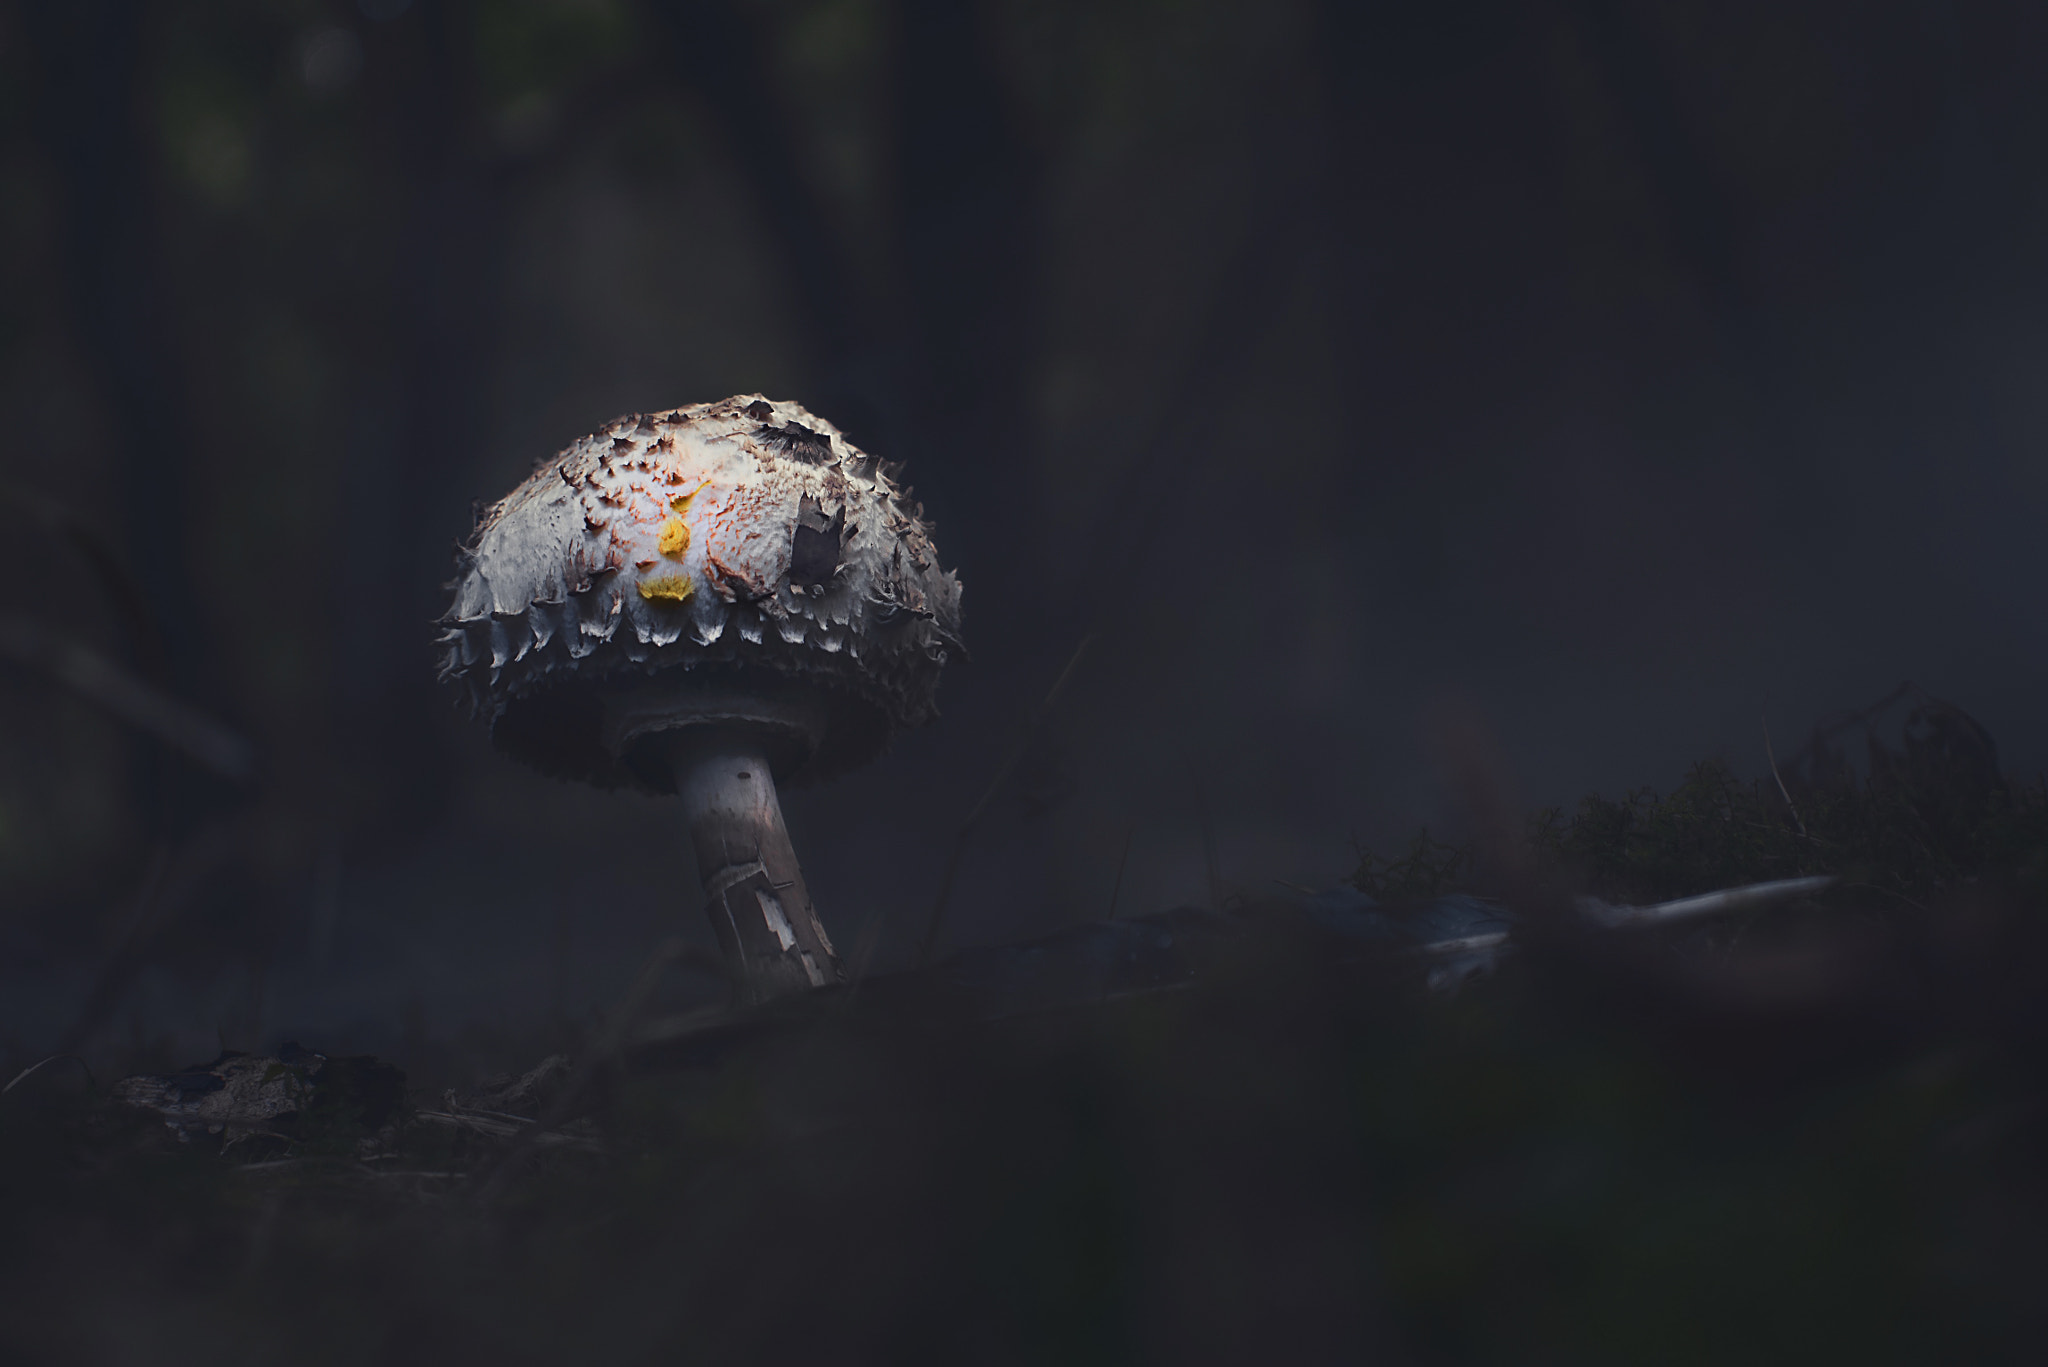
x: 1723, y: 902
x: 1782, y: 789
x: 494, y: 1126
x: 38, y: 1066
x: 1745, y: 898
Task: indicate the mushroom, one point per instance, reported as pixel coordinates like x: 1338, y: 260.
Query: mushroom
x: 709, y: 602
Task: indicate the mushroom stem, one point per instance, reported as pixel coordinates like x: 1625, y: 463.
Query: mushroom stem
x: 754, y: 890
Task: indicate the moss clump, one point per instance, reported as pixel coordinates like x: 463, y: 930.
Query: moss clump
x: 1927, y: 814
x: 1427, y: 868
x: 1716, y: 830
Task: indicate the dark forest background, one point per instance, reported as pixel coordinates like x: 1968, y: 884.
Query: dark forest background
x: 1610, y: 377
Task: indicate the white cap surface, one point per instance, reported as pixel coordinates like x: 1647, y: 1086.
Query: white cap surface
x: 739, y: 540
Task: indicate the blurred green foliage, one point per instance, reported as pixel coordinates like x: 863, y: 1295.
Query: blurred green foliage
x: 529, y: 48
x: 1427, y: 868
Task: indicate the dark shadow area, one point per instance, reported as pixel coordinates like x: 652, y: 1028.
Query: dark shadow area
x: 1355, y: 427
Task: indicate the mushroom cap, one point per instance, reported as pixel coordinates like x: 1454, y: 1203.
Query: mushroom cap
x: 743, y: 546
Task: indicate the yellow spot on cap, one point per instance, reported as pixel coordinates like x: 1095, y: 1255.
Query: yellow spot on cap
x: 681, y: 502
x: 670, y: 590
x: 675, y: 537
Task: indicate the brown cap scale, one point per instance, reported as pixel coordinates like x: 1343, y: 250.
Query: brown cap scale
x: 706, y: 602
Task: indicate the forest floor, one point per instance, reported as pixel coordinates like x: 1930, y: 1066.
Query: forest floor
x: 1811, y: 1134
